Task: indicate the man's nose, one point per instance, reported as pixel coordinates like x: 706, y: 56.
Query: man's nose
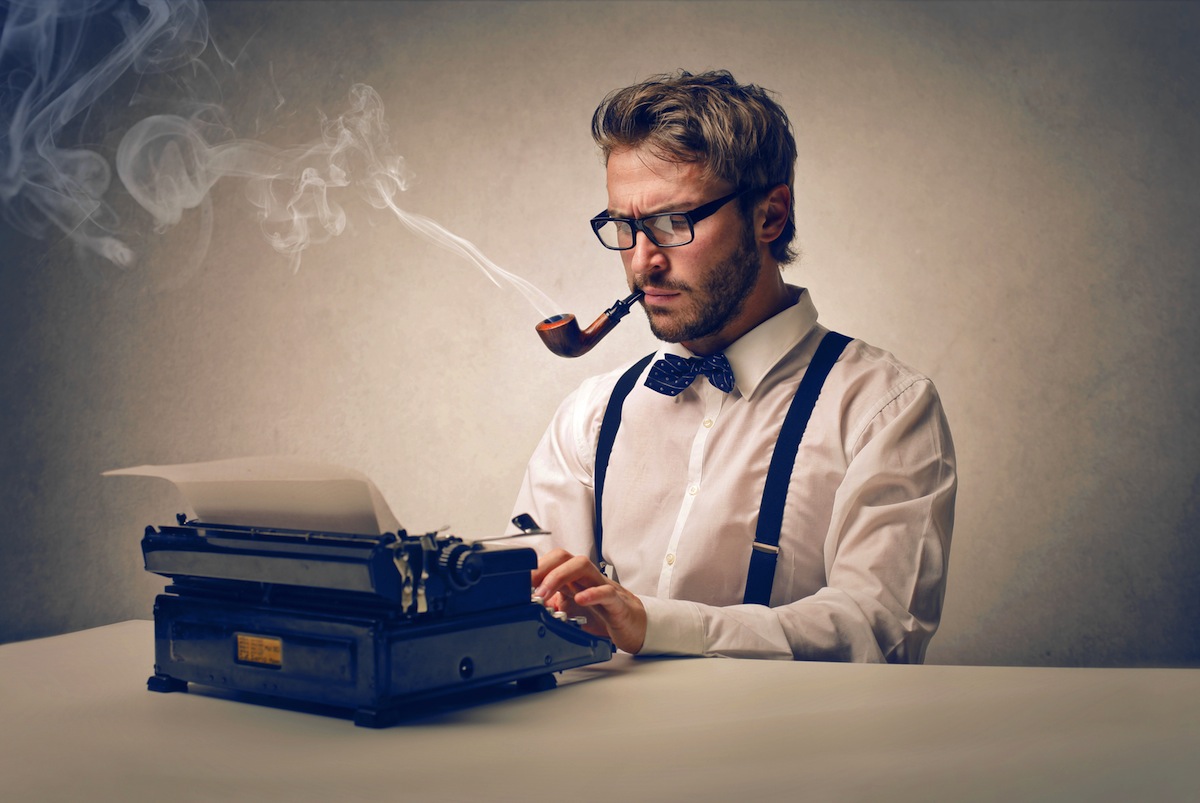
x: 646, y: 257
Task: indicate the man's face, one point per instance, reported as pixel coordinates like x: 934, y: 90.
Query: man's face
x: 694, y: 291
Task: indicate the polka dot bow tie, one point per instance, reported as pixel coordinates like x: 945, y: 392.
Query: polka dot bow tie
x: 672, y: 374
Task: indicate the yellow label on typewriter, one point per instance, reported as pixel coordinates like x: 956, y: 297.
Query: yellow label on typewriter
x: 264, y: 650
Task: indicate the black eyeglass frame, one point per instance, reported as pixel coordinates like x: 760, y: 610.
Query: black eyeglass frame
x: 692, y: 217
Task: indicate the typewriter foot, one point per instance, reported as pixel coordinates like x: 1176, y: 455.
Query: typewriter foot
x: 165, y: 683
x: 375, y: 718
x: 538, y: 682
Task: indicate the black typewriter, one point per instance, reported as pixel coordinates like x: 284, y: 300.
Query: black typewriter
x: 367, y: 623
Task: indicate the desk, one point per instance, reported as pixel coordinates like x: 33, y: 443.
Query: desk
x: 77, y: 724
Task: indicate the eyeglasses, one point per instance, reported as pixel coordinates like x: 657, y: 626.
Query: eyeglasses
x: 666, y: 230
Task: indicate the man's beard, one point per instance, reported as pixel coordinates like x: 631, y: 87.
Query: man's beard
x: 715, y: 302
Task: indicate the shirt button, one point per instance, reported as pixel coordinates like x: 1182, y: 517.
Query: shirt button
x: 694, y: 490
x: 708, y: 422
x: 670, y: 559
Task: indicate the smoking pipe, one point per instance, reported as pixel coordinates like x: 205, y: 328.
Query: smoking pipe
x: 561, y: 333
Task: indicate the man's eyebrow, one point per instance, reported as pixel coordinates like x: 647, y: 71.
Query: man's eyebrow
x: 661, y: 209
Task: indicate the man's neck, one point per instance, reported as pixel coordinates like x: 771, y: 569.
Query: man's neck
x: 767, y: 300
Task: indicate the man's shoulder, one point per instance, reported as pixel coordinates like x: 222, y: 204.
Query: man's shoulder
x: 876, y: 387
x: 591, y: 396
x: 861, y: 366
x: 863, y: 358
x: 597, y: 389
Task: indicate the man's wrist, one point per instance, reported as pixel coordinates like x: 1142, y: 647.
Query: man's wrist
x: 673, y: 627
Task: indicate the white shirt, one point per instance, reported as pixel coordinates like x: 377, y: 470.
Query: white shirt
x: 866, y: 531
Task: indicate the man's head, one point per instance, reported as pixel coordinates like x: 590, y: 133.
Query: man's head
x: 734, y: 132
x: 699, y: 170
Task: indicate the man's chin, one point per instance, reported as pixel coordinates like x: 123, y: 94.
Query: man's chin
x: 665, y: 334
x: 669, y: 328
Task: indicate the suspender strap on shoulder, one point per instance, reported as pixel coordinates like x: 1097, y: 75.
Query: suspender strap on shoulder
x: 608, y: 434
x: 765, y: 553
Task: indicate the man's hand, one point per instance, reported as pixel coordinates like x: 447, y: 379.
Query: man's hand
x: 572, y: 583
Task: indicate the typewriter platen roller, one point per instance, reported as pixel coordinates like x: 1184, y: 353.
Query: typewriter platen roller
x: 369, y: 623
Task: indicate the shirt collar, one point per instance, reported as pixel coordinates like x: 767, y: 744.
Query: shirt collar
x: 755, y: 353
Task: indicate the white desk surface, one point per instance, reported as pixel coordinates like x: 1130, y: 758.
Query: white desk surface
x: 77, y: 724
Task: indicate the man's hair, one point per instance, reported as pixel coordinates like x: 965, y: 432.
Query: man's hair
x: 736, y: 132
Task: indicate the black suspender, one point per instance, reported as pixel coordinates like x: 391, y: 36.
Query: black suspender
x: 608, y: 434
x: 765, y: 552
x: 763, y: 556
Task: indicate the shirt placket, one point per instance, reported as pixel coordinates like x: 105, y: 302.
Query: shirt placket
x: 712, y: 400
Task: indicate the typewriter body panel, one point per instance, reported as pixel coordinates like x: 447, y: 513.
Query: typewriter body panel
x: 361, y: 622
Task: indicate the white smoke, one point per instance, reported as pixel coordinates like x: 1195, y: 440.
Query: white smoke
x: 41, y: 44
x: 169, y: 163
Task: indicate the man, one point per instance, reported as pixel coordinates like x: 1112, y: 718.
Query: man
x: 838, y: 552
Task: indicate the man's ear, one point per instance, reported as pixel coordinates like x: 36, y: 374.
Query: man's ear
x: 776, y: 208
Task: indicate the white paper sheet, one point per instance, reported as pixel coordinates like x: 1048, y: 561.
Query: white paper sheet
x: 283, y: 492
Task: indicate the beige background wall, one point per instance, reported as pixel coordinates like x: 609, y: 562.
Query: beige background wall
x: 1002, y: 195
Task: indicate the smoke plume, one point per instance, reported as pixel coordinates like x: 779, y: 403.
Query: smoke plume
x: 41, y: 182
x: 169, y: 163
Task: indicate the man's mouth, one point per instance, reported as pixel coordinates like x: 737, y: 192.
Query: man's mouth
x: 661, y: 300
x: 659, y: 294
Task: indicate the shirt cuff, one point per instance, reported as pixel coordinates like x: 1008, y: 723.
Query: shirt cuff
x: 673, y: 627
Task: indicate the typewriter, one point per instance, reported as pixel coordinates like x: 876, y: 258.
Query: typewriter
x: 368, y: 624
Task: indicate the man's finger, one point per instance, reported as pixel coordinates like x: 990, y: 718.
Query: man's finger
x: 548, y: 562
x: 577, y: 569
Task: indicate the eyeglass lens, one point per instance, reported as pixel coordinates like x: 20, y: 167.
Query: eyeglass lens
x: 661, y: 229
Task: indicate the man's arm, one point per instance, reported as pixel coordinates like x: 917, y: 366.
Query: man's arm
x: 557, y: 489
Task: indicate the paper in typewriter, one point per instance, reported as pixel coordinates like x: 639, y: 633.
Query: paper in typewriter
x: 283, y: 492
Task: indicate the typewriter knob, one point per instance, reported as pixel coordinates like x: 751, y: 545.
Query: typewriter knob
x: 461, y: 565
